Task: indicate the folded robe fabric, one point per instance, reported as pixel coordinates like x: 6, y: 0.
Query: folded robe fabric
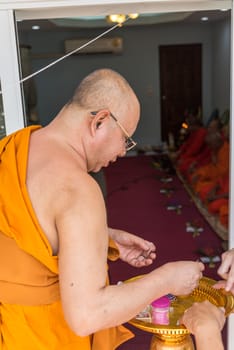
x: 30, y: 309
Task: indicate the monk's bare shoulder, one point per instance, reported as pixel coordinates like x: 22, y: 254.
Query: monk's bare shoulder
x: 58, y: 175
x: 57, y: 182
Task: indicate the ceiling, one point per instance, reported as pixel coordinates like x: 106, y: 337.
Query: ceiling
x: 144, y: 19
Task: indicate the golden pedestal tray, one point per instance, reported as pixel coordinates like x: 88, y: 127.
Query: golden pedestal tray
x: 175, y: 336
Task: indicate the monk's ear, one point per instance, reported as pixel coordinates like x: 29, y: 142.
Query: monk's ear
x: 99, y: 120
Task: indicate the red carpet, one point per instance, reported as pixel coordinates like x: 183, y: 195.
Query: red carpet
x: 135, y: 204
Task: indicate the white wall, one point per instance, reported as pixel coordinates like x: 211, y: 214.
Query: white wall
x: 221, y: 64
x: 139, y: 63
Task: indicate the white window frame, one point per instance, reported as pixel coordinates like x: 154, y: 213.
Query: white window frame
x: 9, y: 73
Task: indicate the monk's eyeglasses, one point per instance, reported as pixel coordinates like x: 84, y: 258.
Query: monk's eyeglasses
x: 129, y: 142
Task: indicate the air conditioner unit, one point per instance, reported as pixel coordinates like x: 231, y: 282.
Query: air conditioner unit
x: 102, y: 45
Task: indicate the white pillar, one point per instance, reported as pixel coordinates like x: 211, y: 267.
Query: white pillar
x: 231, y: 194
x: 9, y: 73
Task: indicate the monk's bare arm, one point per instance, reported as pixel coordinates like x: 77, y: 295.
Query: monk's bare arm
x: 89, y: 305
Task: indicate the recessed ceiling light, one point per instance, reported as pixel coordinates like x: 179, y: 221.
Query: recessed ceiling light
x: 224, y: 10
x: 35, y: 27
x: 204, y: 19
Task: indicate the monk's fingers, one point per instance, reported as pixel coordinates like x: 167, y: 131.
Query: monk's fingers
x: 230, y: 283
x: 141, y: 261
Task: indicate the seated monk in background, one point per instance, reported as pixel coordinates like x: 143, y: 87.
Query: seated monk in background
x: 217, y: 197
x: 210, y: 173
x: 192, y: 146
x: 203, y: 157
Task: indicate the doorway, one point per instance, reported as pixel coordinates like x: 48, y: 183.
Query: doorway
x: 180, y: 85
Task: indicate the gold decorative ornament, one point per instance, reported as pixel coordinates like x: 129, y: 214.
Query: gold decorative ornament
x: 176, y: 336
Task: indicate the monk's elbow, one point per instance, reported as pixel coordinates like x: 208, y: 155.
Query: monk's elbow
x: 81, y: 326
x: 82, y: 331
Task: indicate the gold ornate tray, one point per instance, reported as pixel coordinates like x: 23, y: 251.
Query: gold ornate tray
x: 204, y: 291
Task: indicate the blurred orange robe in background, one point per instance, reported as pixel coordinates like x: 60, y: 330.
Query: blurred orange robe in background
x: 210, y: 173
x: 191, y: 148
x: 30, y: 308
x: 220, y: 206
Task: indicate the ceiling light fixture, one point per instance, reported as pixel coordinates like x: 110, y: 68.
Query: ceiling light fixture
x: 35, y: 27
x: 120, y: 18
x: 204, y: 19
x: 133, y: 15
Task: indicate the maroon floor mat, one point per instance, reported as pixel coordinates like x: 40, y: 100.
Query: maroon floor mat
x: 135, y: 203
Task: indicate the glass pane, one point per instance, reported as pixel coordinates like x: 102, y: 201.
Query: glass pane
x: 2, y: 119
x: 29, y: 87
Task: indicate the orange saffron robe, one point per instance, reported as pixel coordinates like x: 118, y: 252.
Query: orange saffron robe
x: 210, y: 173
x: 31, y: 314
x: 191, y: 148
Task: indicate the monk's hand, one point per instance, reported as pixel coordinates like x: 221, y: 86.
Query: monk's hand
x: 222, y: 284
x: 204, y: 317
x: 134, y: 250
x: 181, y: 277
x: 226, y: 271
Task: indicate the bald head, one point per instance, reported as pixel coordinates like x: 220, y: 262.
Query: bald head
x: 105, y: 88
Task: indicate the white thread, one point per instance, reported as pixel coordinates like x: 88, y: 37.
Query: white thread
x: 67, y: 55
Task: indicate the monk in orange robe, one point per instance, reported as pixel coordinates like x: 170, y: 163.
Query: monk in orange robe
x: 193, y: 144
x: 202, y: 159
x: 213, y: 194
x: 30, y: 306
x: 54, y: 290
x: 204, y: 155
x: 192, y: 148
x: 217, y: 198
x: 210, y: 173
